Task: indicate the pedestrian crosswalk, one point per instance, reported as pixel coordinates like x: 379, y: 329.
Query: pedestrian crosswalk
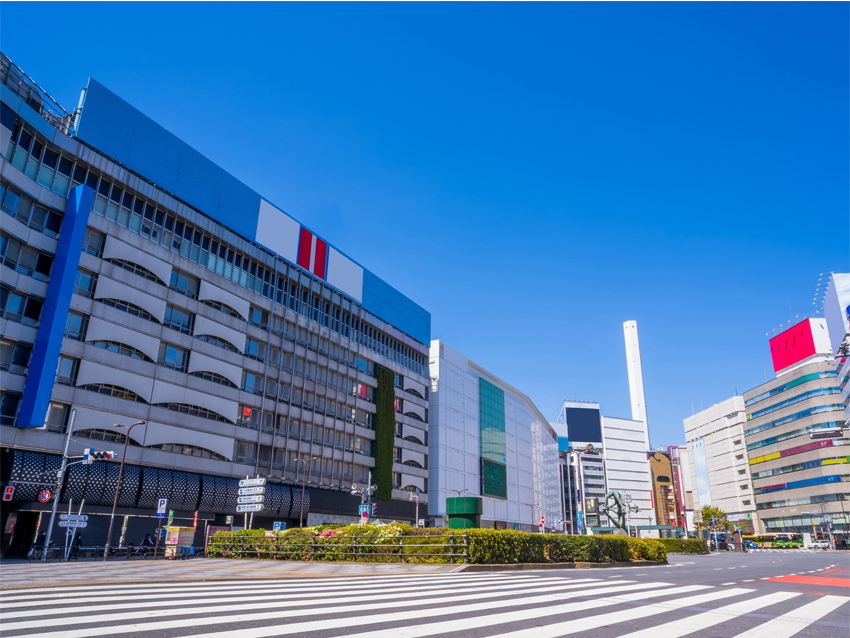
x: 784, y: 550
x: 515, y: 605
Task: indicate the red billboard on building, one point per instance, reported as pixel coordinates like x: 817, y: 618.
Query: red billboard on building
x: 807, y: 339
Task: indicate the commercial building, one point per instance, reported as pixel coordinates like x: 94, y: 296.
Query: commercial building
x: 140, y: 281
x: 488, y: 440
x: 836, y: 308
x: 718, y: 461
x: 625, y: 446
x: 579, y: 424
x: 795, y: 435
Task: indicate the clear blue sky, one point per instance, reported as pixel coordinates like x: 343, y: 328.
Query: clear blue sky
x: 532, y: 174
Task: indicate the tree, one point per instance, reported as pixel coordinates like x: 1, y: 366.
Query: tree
x: 720, y: 521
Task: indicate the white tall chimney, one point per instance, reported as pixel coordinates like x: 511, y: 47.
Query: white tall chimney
x: 635, y: 375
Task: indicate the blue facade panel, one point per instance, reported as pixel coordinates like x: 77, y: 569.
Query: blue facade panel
x: 132, y: 139
x: 384, y: 301
x: 57, y: 303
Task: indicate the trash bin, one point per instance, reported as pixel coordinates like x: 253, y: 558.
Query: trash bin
x: 177, y: 539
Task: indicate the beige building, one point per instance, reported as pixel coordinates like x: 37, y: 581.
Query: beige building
x: 718, y: 463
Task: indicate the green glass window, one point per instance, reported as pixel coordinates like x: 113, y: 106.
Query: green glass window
x: 491, y: 405
x: 494, y: 479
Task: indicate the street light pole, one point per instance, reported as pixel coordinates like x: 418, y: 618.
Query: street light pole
x: 118, y: 486
x: 59, y: 476
x: 303, y: 486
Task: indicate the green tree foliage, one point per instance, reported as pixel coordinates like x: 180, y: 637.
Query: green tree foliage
x: 384, y: 434
x: 718, y: 514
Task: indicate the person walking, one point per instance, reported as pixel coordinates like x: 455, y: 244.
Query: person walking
x: 146, y: 544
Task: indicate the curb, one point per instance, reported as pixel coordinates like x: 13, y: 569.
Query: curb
x: 576, y: 565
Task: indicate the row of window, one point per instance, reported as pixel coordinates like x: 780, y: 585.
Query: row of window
x: 793, y: 400
x: 29, y: 212
x: 794, y: 434
x: 814, y: 376
x: 32, y: 155
x: 14, y: 353
x: 25, y: 259
x: 804, y: 500
x: 793, y: 417
x: 797, y: 467
x: 20, y: 307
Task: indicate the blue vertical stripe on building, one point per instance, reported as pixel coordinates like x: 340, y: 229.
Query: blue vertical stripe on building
x: 57, y: 303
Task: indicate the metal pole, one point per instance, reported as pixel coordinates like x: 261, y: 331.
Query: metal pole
x: 118, y: 486
x: 60, y: 475
x: 570, y: 491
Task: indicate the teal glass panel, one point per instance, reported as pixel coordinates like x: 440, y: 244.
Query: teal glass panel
x: 491, y: 405
x: 494, y: 479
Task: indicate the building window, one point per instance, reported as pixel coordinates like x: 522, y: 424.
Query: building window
x: 94, y: 241
x: 136, y: 269
x: 9, y: 402
x: 178, y: 319
x: 57, y: 417
x: 187, y: 450
x: 252, y: 382
x: 244, y: 452
x: 173, y: 357
x: 258, y: 317
x: 222, y: 308
x: 193, y: 410
x: 75, y: 326
x: 85, y: 283
x: 216, y: 342
x: 184, y: 283
x: 66, y: 370
x: 215, y: 378
x: 114, y: 391
x: 14, y: 354
x: 19, y: 307
x: 29, y: 213
x: 129, y: 308
x: 120, y: 348
x: 24, y: 259
x: 255, y: 349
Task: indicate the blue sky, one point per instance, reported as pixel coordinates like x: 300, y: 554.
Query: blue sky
x: 532, y: 174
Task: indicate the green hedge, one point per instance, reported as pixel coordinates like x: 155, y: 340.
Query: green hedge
x: 486, y: 546
x: 684, y: 545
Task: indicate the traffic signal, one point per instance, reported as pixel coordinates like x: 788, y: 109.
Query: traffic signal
x: 8, y: 492
x: 374, y: 510
x: 102, y: 456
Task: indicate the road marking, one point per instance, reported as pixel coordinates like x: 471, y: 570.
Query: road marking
x: 726, y: 584
x: 787, y: 625
x: 357, y: 619
x: 748, y: 580
x: 829, y: 581
x: 707, y: 619
x: 333, y: 605
x: 580, y: 624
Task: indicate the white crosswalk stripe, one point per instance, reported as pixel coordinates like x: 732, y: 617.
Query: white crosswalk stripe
x: 779, y: 550
x: 504, y: 605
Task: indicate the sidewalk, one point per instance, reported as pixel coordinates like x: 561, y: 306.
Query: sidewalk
x: 25, y: 574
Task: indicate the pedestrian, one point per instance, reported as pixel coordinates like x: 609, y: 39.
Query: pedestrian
x: 148, y: 542
x: 42, y: 539
x: 844, y: 543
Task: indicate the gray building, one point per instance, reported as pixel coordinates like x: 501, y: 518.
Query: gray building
x: 140, y: 281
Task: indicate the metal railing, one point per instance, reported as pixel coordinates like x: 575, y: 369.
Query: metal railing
x: 454, y: 548
x: 95, y: 552
x: 34, y: 96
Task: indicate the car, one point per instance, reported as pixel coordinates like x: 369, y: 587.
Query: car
x: 821, y: 544
x: 750, y: 545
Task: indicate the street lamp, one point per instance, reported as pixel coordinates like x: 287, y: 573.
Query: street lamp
x: 304, y: 485
x: 458, y: 492
x: 118, y: 486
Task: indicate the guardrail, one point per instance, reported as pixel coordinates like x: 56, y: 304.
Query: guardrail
x: 96, y: 552
x: 392, y: 549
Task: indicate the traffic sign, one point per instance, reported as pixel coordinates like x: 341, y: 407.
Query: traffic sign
x: 73, y: 517
x: 250, y: 499
x: 44, y: 496
x: 245, y: 491
x: 254, y: 507
x: 627, y: 498
x: 364, y: 511
x: 278, y: 526
x: 160, y: 507
x: 73, y: 524
x: 254, y: 482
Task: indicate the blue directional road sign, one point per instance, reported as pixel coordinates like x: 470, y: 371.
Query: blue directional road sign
x: 364, y: 511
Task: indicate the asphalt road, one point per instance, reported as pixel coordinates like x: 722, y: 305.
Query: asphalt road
x: 757, y: 595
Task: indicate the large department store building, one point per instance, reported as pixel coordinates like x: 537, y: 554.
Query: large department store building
x: 140, y: 281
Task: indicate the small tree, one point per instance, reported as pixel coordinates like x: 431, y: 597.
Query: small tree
x: 720, y: 521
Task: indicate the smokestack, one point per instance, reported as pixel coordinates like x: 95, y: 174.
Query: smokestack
x: 635, y: 372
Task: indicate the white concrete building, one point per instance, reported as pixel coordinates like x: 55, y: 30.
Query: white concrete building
x: 625, y: 445
x: 718, y: 464
x: 489, y: 439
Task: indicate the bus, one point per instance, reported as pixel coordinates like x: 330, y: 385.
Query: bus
x: 781, y: 540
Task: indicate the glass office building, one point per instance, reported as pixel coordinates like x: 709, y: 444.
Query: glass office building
x: 142, y: 282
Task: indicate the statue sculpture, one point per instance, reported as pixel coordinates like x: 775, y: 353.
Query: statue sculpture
x: 616, y: 508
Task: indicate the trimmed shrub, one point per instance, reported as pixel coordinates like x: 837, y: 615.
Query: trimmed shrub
x: 684, y: 545
x: 389, y: 543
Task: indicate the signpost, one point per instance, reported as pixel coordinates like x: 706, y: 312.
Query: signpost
x: 250, y: 499
x: 278, y: 526
x: 251, y: 507
x: 252, y: 495
x: 160, y: 514
x: 74, y: 517
x: 73, y: 524
x: 245, y: 491
x: 252, y: 482
x: 364, y: 511
x: 44, y: 496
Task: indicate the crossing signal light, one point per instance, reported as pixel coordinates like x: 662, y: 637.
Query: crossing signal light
x: 374, y: 510
x: 102, y: 456
x: 8, y: 492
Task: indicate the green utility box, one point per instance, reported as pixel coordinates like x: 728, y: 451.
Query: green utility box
x: 464, y: 512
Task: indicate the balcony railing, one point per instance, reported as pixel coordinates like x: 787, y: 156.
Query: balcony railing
x: 34, y: 96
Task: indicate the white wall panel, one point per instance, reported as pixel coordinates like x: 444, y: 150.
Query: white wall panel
x: 91, y: 372
x: 100, y: 330
x: 202, y: 363
x: 409, y: 406
x: 415, y: 481
x: 344, y: 274
x: 117, y: 249
x: 208, y: 292
x: 110, y: 289
x: 278, y: 231
x: 160, y: 433
x: 204, y: 326
x: 164, y: 392
x: 89, y: 419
